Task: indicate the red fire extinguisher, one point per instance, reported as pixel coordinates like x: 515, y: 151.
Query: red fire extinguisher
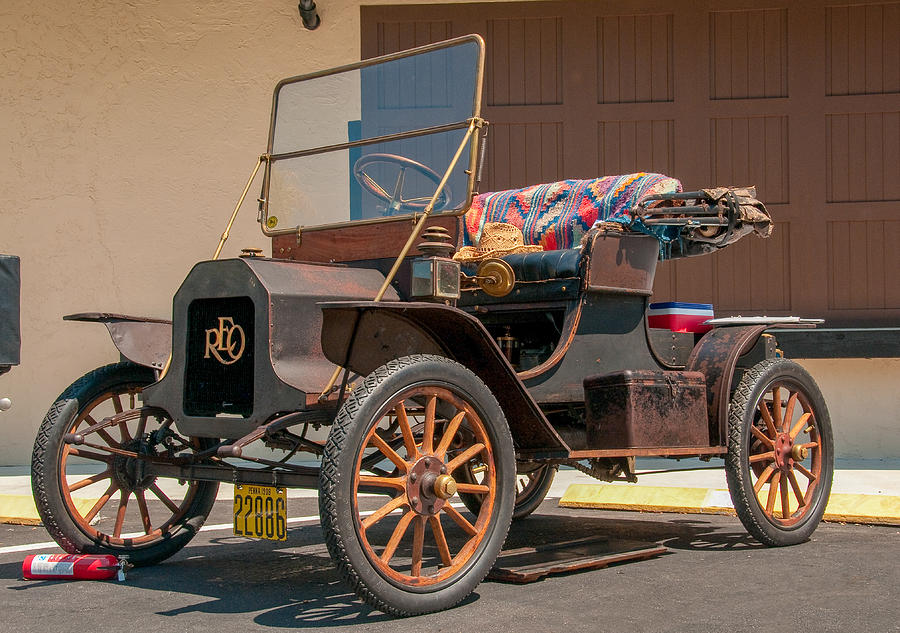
x: 73, y: 567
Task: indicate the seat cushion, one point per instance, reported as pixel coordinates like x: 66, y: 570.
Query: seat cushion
x: 546, y: 265
x: 556, y: 215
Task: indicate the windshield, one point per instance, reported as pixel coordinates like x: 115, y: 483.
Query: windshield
x: 373, y: 140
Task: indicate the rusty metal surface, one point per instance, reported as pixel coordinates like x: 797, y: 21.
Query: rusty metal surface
x: 604, y: 330
x: 144, y: 343
x: 529, y: 564
x: 622, y: 262
x: 641, y: 409
x: 610, y: 336
x: 232, y: 474
x: 142, y: 340
x: 388, y: 330
x: 654, y: 451
x: 287, y: 361
x: 104, y: 317
x: 671, y: 349
x: 715, y: 356
x: 295, y: 320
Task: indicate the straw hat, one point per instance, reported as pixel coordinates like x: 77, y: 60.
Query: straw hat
x: 497, y: 239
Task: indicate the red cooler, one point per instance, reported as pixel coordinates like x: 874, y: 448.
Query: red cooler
x: 680, y: 317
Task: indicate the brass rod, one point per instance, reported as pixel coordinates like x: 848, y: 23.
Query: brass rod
x: 427, y: 212
x: 237, y: 207
x: 375, y: 140
x: 473, y: 125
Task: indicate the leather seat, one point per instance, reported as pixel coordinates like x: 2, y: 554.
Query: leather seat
x: 545, y: 265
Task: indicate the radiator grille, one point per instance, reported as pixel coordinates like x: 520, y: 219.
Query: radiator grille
x: 218, y: 376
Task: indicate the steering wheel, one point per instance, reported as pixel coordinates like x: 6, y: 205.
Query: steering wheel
x: 396, y: 203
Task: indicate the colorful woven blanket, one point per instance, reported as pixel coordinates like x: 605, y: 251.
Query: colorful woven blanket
x: 557, y: 214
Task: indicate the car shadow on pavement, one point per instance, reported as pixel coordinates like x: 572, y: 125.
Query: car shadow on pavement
x: 680, y: 532
x: 295, y: 584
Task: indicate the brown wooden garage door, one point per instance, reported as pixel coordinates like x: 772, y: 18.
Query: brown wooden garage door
x: 802, y: 100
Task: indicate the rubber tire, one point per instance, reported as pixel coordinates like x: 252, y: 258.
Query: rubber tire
x: 337, y: 473
x: 741, y: 414
x: 45, y: 473
x: 522, y: 507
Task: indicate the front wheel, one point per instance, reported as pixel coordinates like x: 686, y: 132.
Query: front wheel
x: 390, y: 473
x: 93, y: 498
x: 780, y: 457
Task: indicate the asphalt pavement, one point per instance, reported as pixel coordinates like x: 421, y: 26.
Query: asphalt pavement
x: 714, y: 577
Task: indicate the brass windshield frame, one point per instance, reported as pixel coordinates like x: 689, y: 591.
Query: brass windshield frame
x: 474, y: 137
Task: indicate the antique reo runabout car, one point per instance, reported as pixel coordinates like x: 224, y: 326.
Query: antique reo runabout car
x: 425, y: 357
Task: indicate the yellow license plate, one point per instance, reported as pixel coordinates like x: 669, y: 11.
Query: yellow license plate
x: 260, y: 512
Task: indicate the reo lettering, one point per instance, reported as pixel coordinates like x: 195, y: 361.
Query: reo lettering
x: 225, y: 342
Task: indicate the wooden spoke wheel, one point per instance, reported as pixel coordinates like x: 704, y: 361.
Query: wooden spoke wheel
x: 93, y: 497
x: 390, y: 479
x: 780, y: 454
x: 533, y: 482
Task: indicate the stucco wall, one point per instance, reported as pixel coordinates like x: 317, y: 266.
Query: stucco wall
x: 864, y: 403
x: 127, y: 131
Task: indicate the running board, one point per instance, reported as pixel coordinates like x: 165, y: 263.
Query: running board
x: 530, y: 564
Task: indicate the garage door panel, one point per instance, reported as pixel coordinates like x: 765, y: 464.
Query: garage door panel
x: 524, y: 61
x: 753, y: 274
x: 632, y: 146
x: 579, y: 89
x: 748, y: 54
x: 863, y: 49
x: 752, y: 151
x: 862, y: 156
x: 398, y: 36
x: 694, y: 279
x: 891, y: 64
x: 862, y: 264
x: 522, y: 154
x: 635, y: 59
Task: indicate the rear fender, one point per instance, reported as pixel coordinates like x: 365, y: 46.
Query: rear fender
x: 142, y: 340
x: 716, y: 356
x: 365, y: 335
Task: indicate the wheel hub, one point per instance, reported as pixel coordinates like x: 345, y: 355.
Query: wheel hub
x: 785, y: 452
x: 129, y: 472
x: 428, y: 486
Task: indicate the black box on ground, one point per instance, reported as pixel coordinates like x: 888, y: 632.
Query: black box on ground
x: 10, y: 284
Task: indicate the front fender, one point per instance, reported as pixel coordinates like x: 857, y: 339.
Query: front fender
x: 363, y: 335
x: 142, y: 340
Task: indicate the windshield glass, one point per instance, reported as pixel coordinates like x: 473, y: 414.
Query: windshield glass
x: 374, y: 139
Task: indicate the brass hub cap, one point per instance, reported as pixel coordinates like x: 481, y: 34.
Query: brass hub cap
x: 444, y: 486
x: 799, y: 453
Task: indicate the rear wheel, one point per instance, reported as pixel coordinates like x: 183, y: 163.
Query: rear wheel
x: 780, y: 457
x: 390, y: 473
x: 93, y: 499
x: 533, y: 482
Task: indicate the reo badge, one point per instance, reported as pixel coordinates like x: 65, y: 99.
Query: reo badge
x: 226, y: 342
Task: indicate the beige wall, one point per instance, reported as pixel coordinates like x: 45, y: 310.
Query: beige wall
x: 126, y: 133
x: 863, y: 400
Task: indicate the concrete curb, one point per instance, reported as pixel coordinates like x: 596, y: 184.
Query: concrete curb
x: 20, y: 509
x: 844, y: 508
x: 849, y: 508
